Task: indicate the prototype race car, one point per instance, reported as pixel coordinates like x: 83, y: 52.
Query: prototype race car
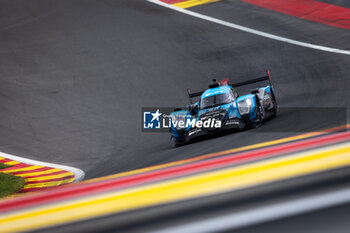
x: 221, y: 107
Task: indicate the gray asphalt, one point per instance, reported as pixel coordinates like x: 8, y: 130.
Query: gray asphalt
x: 75, y: 74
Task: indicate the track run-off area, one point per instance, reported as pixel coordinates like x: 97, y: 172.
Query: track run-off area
x: 77, y: 75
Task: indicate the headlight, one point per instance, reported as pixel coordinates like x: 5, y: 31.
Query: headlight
x: 244, y: 106
x: 178, y: 121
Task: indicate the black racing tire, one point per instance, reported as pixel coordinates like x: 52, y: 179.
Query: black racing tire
x: 275, y: 105
x: 258, y: 113
x: 173, y: 142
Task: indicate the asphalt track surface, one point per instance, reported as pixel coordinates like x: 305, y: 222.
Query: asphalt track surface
x: 75, y: 75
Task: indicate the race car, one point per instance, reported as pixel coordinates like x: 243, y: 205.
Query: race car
x: 220, y: 107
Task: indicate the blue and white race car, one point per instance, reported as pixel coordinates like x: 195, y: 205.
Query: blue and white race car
x: 221, y: 107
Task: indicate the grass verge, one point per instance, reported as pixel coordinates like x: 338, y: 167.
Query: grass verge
x: 9, y: 184
x: 2, y: 166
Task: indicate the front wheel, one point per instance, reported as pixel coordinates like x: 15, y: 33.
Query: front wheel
x: 173, y: 142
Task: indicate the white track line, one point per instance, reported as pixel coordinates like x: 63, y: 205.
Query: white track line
x: 250, y: 30
x: 78, y: 174
x: 263, y: 214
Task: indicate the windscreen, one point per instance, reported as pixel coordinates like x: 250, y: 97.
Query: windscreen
x: 216, y: 100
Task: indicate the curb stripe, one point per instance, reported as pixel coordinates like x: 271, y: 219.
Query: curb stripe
x: 24, y: 168
x: 17, y: 166
x: 11, y: 163
x: 36, y: 174
x: 49, y: 184
x: 41, y: 179
x: 32, y: 171
x: 3, y: 160
x: 48, y: 172
x: 191, y: 3
x: 172, y: 1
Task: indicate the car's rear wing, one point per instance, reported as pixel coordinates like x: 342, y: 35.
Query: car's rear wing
x: 226, y: 82
x: 255, y: 80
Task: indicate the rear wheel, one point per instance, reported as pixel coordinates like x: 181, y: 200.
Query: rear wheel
x: 258, y: 118
x: 275, y: 105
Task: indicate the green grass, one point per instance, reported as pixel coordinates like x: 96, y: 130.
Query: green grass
x: 9, y: 184
x: 4, y: 166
